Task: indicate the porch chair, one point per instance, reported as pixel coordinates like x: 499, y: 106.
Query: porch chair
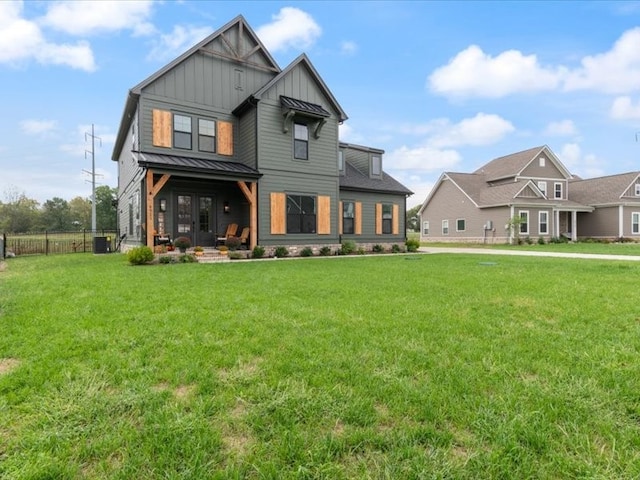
x: 244, y: 237
x: 232, y: 228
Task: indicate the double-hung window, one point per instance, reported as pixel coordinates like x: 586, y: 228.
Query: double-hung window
x: 341, y: 161
x: 301, y: 214
x: 182, y: 132
x: 524, y: 222
x: 206, y: 135
x: 542, y: 186
x: 557, y: 190
x: 637, y: 189
x: 543, y: 222
x: 387, y: 218
x: 376, y: 166
x: 425, y: 227
x: 300, y: 141
x: 445, y: 227
x: 348, y: 217
x: 635, y: 223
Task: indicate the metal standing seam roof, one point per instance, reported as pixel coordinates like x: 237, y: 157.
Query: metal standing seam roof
x: 201, y: 165
x: 354, y: 179
x: 302, y: 106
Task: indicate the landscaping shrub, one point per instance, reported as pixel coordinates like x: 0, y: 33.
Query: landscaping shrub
x: 281, y: 252
x: 412, y: 244
x: 395, y: 248
x: 165, y: 259
x: 232, y: 243
x: 377, y: 248
x: 187, y: 258
x: 258, y: 252
x: 235, y: 255
x: 541, y: 241
x: 140, y: 255
x: 347, y: 247
x: 306, y: 252
x: 325, y: 251
x: 182, y: 243
x: 361, y: 251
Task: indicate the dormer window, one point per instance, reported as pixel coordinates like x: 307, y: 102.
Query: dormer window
x: 376, y: 166
x: 340, y: 161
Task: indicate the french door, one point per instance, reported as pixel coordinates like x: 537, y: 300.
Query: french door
x: 195, y: 219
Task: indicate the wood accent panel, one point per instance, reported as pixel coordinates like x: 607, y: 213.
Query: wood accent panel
x: 378, y: 219
x: 225, y: 138
x: 324, y: 215
x: 162, y: 128
x: 340, y: 217
x: 396, y: 220
x: 278, y: 213
x: 251, y: 194
x: 358, y: 219
x: 152, y: 191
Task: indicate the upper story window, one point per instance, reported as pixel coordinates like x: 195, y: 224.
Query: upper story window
x: 557, y: 190
x: 637, y: 189
x: 300, y: 141
x: 348, y: 216
x: 541, y: 161
x: 206, y: 135
x: 376, y: 166
x: 340, y: 161
x: 542, y: 186
x: 301, y: 214
x: 182, y: 131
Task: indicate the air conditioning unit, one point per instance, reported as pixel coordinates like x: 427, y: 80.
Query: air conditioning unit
x: 488, y: 225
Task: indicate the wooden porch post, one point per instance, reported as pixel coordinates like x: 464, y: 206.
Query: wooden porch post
x: 152, y: 191
x: 251, y: 194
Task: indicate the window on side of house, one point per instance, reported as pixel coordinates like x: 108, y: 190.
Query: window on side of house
x: 524, y: 221
x: 206, y: 135
x: 300, y: 141
x: 182, y: 132
x: 542, y: 186
x: 301, y: 214
x: 387, y: 218
x: 543, y: 222
x: 425, y: 227
x: 635, y: 223
x: 445, y: 227
x: 461, y: 225
x: 637, y: 189
x: 341, y: 161
x: 376, y: 165
x: 348, y: 217
x: 557, y: 187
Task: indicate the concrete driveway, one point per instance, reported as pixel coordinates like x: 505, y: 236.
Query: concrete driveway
x: 492, y: 251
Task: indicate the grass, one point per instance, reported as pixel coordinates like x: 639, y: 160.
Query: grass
x: 434, y: 366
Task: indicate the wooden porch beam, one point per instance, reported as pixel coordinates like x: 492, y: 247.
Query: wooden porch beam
x: 251, y: 194
x: 152, y: 191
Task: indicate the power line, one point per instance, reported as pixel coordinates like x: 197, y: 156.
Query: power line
x: 93, y: 174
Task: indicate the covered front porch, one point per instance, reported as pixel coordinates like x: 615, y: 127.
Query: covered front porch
x: 565, y: 221
x: 197, y: 199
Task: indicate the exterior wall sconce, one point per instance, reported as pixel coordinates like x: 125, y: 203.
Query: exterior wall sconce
x: 163, y: 205
x: 226, y: 208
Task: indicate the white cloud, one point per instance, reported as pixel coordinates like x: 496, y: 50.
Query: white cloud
x: 423, y: 158
x: 586, y: 166
x: 475, y: 73
x: 624, y: 109
x: 90, y: 18
x: 171, y: 45
x: 615, y: 71
x: 38, y: 127
x: 483, y: 129
x: 348, y: 48
x: 22, y: 40
x: 348, y: 134
x: 563, y: 128
x: 290, y: 28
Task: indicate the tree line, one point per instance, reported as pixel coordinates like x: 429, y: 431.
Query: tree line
x: 20, y: 214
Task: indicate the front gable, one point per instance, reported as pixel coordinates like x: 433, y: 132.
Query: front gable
x: 544, y: 166
x: 633, y: 190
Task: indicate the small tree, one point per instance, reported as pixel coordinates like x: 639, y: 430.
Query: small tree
x: 513, y: 226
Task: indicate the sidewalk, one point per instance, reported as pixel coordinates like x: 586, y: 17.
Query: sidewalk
x: 493, y: 251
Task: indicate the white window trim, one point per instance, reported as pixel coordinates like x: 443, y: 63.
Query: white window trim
x: 465, y: 225
x: 555, y: 191
x: 637, y: 190
x: 542, y: 186
x: 637, y: 215
x: 540, y: 213
x: 445, y: 224
x: 425, y: 226
x: 520, y: 212
x: 541, y: 161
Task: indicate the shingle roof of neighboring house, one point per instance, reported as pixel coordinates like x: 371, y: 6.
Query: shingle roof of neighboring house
x: 602, y: 190
x: 512, y: 165
x: 354, y: 179
x: 217, y: 167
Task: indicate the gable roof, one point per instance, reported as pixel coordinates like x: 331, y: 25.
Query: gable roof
x: 304, y: 61
x: 242, y: 29
x: 602, y: 190
x: 513, y: 165
x: 354, y: 179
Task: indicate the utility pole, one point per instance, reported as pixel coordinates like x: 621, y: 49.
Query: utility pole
x: 93, y: 176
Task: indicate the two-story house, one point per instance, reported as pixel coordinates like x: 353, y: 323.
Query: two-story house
x: 529, y: 194
x: 222, y: 135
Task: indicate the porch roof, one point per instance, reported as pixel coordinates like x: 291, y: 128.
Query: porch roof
x: 232, y: 170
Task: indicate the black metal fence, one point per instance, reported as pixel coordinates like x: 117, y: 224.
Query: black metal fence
x: 51, y: 243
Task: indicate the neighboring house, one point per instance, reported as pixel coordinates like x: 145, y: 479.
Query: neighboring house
x: 222, y: 135
x: 529, y: 194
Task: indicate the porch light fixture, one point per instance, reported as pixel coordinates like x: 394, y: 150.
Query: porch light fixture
x: 226, y: 207
x: 163, y: 205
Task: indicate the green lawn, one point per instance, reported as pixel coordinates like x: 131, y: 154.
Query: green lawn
x: 422, y: 366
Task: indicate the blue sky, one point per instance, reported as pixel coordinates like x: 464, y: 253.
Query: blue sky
x: 440, y: 86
